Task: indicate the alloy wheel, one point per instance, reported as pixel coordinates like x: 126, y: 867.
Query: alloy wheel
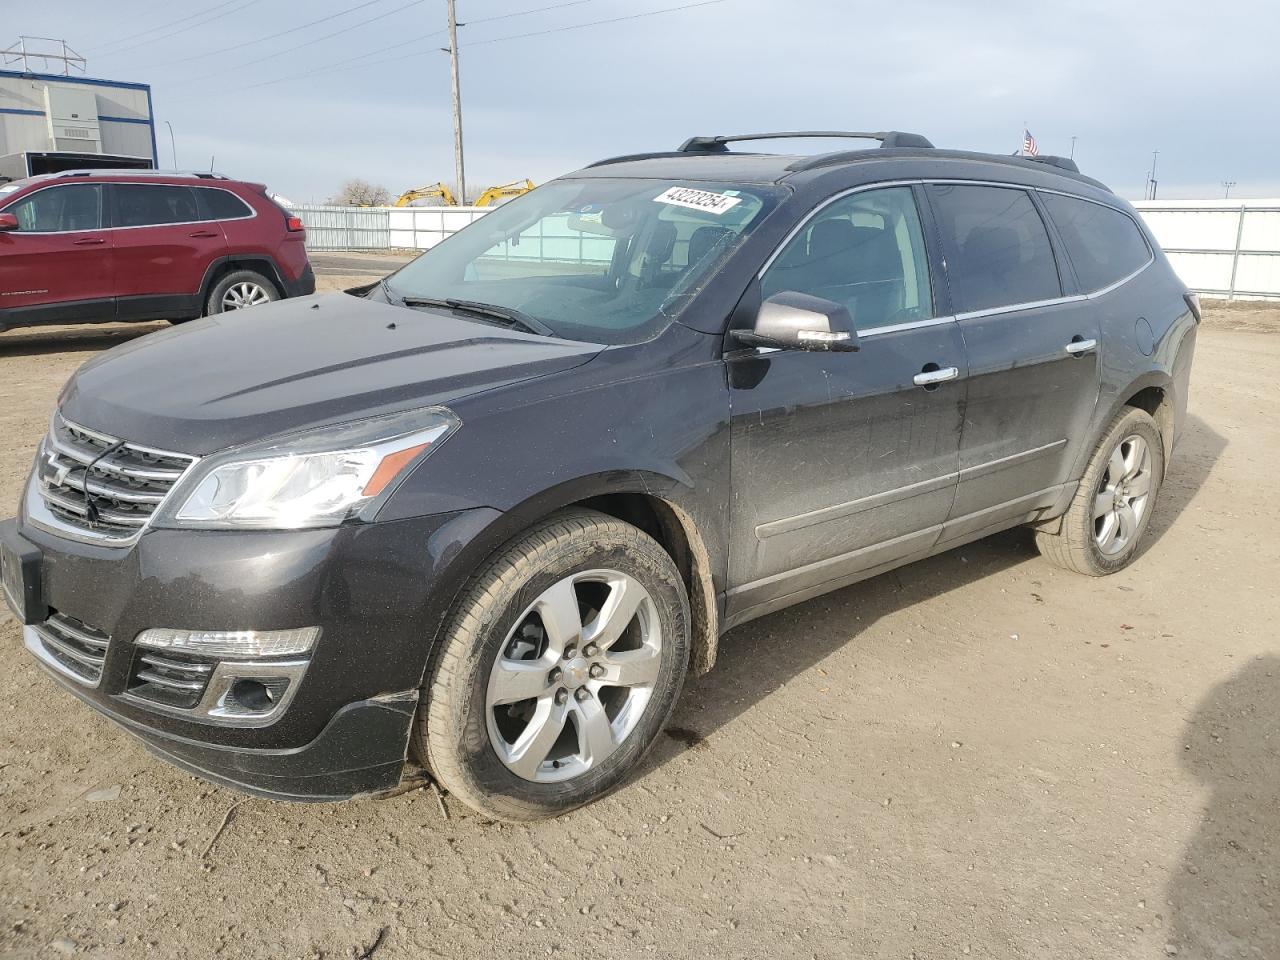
x: 244, y: 294
x: 1123, y: 496
x: 574, y: 676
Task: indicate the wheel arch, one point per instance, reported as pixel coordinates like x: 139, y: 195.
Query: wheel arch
x: 219, y: 268
x: 647, y: 501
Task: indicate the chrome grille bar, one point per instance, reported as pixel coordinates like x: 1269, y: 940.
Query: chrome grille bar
x: 124, y: 482
x: 71, y: 647
x: 151, y: 676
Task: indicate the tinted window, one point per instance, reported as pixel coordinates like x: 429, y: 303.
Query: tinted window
x: 144, y: 204
x: 998, y: 250
x: 221, y: 205
x: 1104, y: 245
x: 866, y: 252
x: 60, y: 209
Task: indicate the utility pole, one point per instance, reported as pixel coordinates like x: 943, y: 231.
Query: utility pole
x: 457, y: 103
x: 1073, y: 148
x: 1227, y: 185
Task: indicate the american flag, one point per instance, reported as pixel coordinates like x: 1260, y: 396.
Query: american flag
x: 1029, y: 146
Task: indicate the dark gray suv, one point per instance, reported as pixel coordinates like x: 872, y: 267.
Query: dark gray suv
x: 481, y: 518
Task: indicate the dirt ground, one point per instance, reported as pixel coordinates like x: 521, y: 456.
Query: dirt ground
x: 978, y: 755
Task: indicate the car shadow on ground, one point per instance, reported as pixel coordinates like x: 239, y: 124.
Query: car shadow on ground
x: 759, y: 657
x: 83, y: 338
x: 1223, y: 897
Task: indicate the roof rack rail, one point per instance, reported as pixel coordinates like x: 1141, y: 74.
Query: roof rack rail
x: 887, y: 138
x: 1062, y: 163
x: 140, y: 172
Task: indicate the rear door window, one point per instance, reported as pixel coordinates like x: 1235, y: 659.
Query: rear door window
x: 145, y: 204
x: 221, y: 205
x: 997, y: 248
x: 64, y: 209
x: 1104, y: 244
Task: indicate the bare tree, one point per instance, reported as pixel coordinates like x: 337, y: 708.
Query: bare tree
x: 360, y: 193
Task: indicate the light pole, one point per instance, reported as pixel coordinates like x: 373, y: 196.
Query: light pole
x: 1072, y: 155
x: 457, y: 104
x: 173, y: 146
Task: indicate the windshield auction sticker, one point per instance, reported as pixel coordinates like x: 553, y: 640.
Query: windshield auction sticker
x: 705, y: 200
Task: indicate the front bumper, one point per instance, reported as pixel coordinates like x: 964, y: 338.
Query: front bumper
x: 377, y: 591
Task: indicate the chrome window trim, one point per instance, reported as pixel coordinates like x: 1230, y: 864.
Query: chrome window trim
x: 1067, y: 298
x: 972, y: 314
x: 1151, y: 254
x: 909, y: 325
x: 141, y: 226
x: 834, y: 198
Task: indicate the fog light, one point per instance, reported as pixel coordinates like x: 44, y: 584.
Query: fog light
x: 232, y: 643
x: 256, y: 696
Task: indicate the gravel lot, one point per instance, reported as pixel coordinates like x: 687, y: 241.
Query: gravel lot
x: 977, y: 755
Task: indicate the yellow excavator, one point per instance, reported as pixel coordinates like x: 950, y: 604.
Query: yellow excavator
x: 440, y: 192
x: 436, y: 191
x: 504, y: 191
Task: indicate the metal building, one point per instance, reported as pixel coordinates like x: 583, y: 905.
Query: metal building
x: 50, y: 122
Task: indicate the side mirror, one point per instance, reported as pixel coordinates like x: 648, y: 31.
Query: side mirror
x: 797, y: 321
x: 8, y: 221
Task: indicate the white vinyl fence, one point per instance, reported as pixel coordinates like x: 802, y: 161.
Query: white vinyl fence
x: 381, y: 228
x: 1220, y: 248
x: 344, y: 228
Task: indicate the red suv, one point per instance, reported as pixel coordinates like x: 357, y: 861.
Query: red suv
x: 102, y: 245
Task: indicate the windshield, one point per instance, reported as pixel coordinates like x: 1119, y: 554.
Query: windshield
x: 601, y: 260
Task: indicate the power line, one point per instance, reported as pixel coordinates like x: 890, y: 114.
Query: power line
x: 341, y: 65
x: 285, y: 33
x: 165, y: 26
x: 344, y: 65
x: 200, y: 23
x: 524, y: 13
x: 307, y: 43
x: 593, y: 23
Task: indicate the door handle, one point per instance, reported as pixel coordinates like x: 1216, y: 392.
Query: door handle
x: 88, y: 241
x: 1078, y: 346
x: 931, y: 378
x: 202, y: 233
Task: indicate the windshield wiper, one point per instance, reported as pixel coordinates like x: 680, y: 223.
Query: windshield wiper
x: 509, y: 316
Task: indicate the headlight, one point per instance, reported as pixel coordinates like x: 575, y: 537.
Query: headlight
x: 314, y: 479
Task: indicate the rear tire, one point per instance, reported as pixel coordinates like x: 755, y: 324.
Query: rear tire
x: 558, y: 669
x: 1104, y: 525
x: 238, y: 290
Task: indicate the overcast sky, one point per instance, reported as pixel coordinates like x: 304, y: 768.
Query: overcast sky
x: 1198, y: 81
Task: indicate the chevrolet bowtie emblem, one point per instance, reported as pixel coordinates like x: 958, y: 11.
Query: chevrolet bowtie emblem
x: 60, y: 470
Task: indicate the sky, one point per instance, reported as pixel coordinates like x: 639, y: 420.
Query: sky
x: 270, y: 95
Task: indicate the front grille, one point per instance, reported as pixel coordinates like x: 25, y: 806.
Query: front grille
x: 170, y: 679
x: 101, y: 485
x: 78, y: 648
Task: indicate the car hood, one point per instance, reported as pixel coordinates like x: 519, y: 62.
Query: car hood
x: 243, y: 376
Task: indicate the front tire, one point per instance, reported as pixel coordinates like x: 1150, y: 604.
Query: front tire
x: 1111, y: 509
x: 558, y: 669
